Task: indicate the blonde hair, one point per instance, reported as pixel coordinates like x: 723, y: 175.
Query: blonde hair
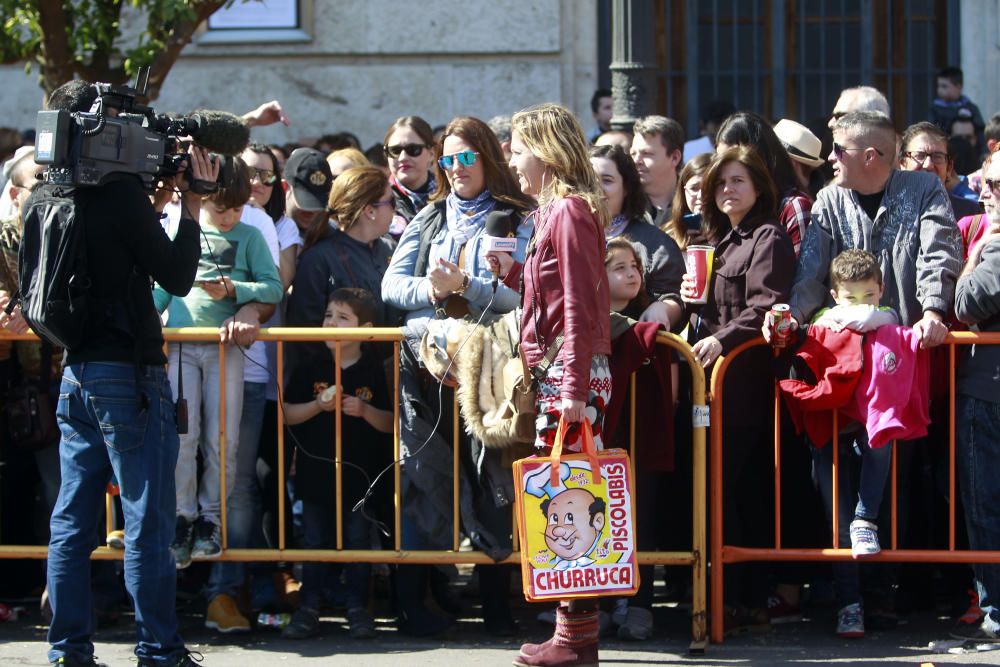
x: 352, y: 155
x: 553, y: 134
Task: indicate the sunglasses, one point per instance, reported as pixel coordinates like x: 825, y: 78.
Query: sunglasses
x: 839, y: 150
x: 992, y: 184
x: 265, y: 176
x: 413, y: 150
x: 465, y: 158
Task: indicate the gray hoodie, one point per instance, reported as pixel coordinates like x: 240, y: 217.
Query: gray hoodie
x: 977, y: 303
x: 914, y: 237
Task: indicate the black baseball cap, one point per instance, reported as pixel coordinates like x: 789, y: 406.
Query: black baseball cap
x: 307, y: 171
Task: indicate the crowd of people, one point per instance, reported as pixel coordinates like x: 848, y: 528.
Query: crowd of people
x: 884, y: 239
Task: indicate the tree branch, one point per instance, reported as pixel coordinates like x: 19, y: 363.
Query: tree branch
x: 57, y: 58
x: 179, y: 37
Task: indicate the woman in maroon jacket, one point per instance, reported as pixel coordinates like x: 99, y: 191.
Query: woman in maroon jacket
x: 566, y: 306
x: 753, y: 268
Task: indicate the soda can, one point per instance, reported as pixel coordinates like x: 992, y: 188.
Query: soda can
x: 276, y: 621
x: 781, y: 316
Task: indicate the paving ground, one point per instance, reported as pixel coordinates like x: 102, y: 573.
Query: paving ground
x: 807, y: 643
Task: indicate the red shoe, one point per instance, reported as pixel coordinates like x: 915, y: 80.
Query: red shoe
x: 553, y: 655
x: 974, y: 614
x: 530, y: 650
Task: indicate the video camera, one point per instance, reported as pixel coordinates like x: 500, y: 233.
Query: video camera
x: 90, y: 148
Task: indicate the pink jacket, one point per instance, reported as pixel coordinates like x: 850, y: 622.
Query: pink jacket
x: 893, y: 394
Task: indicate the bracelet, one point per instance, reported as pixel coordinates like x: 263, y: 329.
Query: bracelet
x: 466, y: 281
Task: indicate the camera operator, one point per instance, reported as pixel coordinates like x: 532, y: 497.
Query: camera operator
x: 116, y: 411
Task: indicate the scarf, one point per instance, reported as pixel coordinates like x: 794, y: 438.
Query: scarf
x: 467, y: 216
x: 617, y: 226
x: 417, y: 197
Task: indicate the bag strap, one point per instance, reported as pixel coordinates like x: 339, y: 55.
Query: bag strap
x: 589, y: 448
x: 973, y: 229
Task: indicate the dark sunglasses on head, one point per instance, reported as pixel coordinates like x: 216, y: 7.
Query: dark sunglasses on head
x: 413, y: 150
x: 465, y: 158
x: 265, y: 176
x: 839, y: 150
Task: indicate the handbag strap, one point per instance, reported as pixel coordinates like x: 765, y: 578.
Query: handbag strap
x: 972, y: 230
x: 589, y: 448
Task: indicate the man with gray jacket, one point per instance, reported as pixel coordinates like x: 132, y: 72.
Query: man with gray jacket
x: 903, y: 218
x: 977, y: 409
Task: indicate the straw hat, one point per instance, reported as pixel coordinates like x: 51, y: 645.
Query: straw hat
x: 801, y: 144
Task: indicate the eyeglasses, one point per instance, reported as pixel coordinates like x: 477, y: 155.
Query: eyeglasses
x: 992, y: 184
x: 466, y: 158
x: 413, y: 150
x: 384, y: 202
x: 265, y: 176
x: 919, y: 157
x: 839, y: 150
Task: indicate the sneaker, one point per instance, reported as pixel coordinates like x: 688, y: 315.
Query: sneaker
x: 223, y: 615
x: 73, y: 661
x: 304, y: 624
x: 187, y: 659
x: 743, y: 620
x: 181, y: 546
x: 974, y: 614
x: 423, y: 622
x: 781, y: 611
x: 851, y: 621
x: 976, y: 633
x: 360, y: 623
x: 864, y: 538
x: 207, y: 541
x: 116, y: 539
x: 638, y: 625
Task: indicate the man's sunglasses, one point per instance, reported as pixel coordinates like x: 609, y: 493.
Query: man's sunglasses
x: 839, y: 150
x: 413, y: 150
x: 465, y: 158
x: 993, y: 185
x: 265, y: 176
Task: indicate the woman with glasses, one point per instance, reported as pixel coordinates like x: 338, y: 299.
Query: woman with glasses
x: 745, y: 128
x: 566, y: 305
x: 409, y: 149
x: 684, y: 225
x: 441, y: 266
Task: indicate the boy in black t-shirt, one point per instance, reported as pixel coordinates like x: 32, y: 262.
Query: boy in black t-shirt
x: 311, y: 398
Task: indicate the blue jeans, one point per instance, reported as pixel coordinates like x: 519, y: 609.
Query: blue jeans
x: 977, y: 443
x: 243, y: 508
x: 862, y: 474
x: 105, y: 431
x: 320, y: 532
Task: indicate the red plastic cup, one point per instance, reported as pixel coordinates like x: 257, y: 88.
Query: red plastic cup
x: 699, y: 264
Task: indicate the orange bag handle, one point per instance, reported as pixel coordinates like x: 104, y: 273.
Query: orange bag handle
x: 589, y: 448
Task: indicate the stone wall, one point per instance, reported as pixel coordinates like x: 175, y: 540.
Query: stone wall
x: 980, y: 29
x: 359, y: 64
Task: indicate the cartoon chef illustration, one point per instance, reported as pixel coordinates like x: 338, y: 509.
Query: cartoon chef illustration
x: 574, y: 517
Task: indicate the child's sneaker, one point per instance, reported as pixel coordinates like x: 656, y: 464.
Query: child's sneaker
x: 304, y: 624
x: 207, y: 541
x: 851, y: 621
x: 974, y: 614
x: 181, y: 546
x: 223, y: 615
x: 864, y: 538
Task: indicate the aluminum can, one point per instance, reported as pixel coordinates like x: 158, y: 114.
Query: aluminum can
x: 781, y: 315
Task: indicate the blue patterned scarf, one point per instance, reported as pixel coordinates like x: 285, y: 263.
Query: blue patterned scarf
x: 617, y: 226
x: 467, y: 216
x: 417, y: 197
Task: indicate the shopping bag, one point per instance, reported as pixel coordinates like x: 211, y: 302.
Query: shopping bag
x: 575, y: 522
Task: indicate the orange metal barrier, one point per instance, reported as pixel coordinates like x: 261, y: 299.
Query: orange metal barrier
x: 695, y: 557
x: 722, y: 554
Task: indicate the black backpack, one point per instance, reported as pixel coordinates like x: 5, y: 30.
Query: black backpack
x: 52, y: 266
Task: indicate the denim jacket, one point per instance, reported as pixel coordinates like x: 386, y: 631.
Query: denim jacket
x: 409, y: 292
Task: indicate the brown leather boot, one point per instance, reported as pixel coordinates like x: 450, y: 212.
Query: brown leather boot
x: 573, y: 645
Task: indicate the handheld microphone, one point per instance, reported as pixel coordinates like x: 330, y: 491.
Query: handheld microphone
x: 218, y: 131
x: 499, y: 236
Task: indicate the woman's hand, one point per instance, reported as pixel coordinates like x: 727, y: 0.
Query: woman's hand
x: 572, y: 411
x: 502, y: 261
x: 446, y: 278
x: 689, y: 288
x: 707, y: 350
